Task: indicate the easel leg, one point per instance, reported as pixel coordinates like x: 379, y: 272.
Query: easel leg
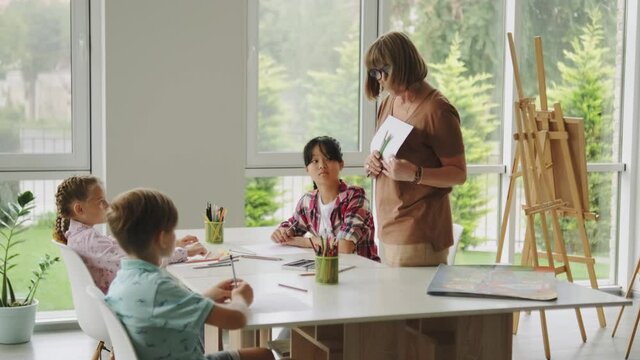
x: 615, y: 328
x: 545, y: 334
x: 567, y: 268
x: 583, y: 333
x: 633, y: 335
x: 593, y: 278
x: 524, y: 261
x: 628, y: 295
x: 507, y: 205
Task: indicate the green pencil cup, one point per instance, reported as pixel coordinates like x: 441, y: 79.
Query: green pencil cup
x: 327, y: 269
x: 214, y: 232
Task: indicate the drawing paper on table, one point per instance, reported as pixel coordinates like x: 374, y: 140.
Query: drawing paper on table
x: 270, y: 249
x: 278, y: 301
x: 390, y: 136
x: 494, y: 281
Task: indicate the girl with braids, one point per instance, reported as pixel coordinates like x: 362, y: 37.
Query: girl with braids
x: 81, y: 204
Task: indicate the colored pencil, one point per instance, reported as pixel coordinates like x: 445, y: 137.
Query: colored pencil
x: 292, y: 287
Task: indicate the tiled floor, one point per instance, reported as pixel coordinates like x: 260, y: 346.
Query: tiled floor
x: 564, y: 336
x: 563, y: 331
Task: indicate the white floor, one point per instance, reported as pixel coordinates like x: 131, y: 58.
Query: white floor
x: 527, y: 344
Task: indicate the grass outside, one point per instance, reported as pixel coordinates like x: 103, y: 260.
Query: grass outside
x: 579, y: 271
x: 54, y: 292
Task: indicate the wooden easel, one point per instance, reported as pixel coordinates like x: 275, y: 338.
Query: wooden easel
x: 565, y: 168
x: 546, y: 159
x: 635, y: 325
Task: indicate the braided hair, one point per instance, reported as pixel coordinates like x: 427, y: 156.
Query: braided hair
x: 74, y: 188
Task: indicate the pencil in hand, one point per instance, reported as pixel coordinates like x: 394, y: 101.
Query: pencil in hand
x: 233, y: 269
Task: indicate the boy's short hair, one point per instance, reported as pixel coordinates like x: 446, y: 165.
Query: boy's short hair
x: 136, y: 216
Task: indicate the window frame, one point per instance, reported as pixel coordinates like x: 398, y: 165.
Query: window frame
x: 367, y: 109
x: 86, y: 47
x: 79, y: 158
x: 376, y: 21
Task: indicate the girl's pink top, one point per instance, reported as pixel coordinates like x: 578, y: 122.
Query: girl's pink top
x: 102, y: 254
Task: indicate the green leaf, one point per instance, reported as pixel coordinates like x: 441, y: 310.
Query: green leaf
x: 22, y: 221
x: 19, y: 231
x: 8, y: 215
x: 16, y: 242
x: 14, y: 208
x: 25, y: 198
x: 12, y: 295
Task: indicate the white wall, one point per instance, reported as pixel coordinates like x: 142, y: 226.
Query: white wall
x: 175, y: 78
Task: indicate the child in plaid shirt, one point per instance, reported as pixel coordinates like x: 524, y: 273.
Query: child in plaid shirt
x: 332, y: 208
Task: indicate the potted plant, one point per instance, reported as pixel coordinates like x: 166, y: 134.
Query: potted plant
x: 17, y: 314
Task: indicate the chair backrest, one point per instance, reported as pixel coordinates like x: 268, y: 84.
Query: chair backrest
x: 457, y: 234
x: 89, y: 318
x: 122, y: 346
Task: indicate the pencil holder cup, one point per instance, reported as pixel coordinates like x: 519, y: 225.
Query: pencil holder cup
x: 214, y: 232
x: 327, y: 269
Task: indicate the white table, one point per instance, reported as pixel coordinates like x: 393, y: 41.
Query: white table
x: 376, y: 311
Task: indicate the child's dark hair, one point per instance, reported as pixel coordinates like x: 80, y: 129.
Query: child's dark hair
x: 329, y: 147
x: 138, y: 215
x: 74, y: 188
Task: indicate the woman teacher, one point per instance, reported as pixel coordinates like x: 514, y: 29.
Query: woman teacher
x: 412, y: 188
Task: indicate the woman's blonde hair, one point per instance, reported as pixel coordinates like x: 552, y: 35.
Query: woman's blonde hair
x: 74, y: 188
x: 138, y: 215
x: 395, y: 50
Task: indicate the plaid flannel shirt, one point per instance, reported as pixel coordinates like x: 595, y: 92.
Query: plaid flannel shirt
x: 351, y: 219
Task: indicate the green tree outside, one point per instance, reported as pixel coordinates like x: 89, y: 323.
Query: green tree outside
x: 557, y: 22
x: 260, y: 204
x: 433, y: 25
x: 472, y: 97
x: 585, y: 90
x: 333, y: 96
x: 38, y: 41
x: 261, y: 193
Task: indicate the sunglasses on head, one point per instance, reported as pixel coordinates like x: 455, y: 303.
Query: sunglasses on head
x: 377, y: 73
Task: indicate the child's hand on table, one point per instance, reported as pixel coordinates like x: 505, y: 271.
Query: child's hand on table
x: 243, y: 290
x: 196, y: 249
x: 282, y: 235
x: 187, y: 240
x: 221, y: 292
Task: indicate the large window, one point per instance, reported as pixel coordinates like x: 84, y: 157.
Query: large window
x: 308, y: 81
x: 305, y: 58
x: 44, y: 121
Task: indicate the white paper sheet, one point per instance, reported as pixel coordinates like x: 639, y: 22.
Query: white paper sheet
x: 269, y: 249
x: 278, y: 301
x: 394, y: 128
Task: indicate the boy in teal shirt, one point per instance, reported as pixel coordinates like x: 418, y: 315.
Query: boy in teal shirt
x: 163, y: 318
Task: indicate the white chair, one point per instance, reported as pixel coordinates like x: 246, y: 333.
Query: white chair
x: 89, y: 319
x: 122, y: 346
x: 457, y: 234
